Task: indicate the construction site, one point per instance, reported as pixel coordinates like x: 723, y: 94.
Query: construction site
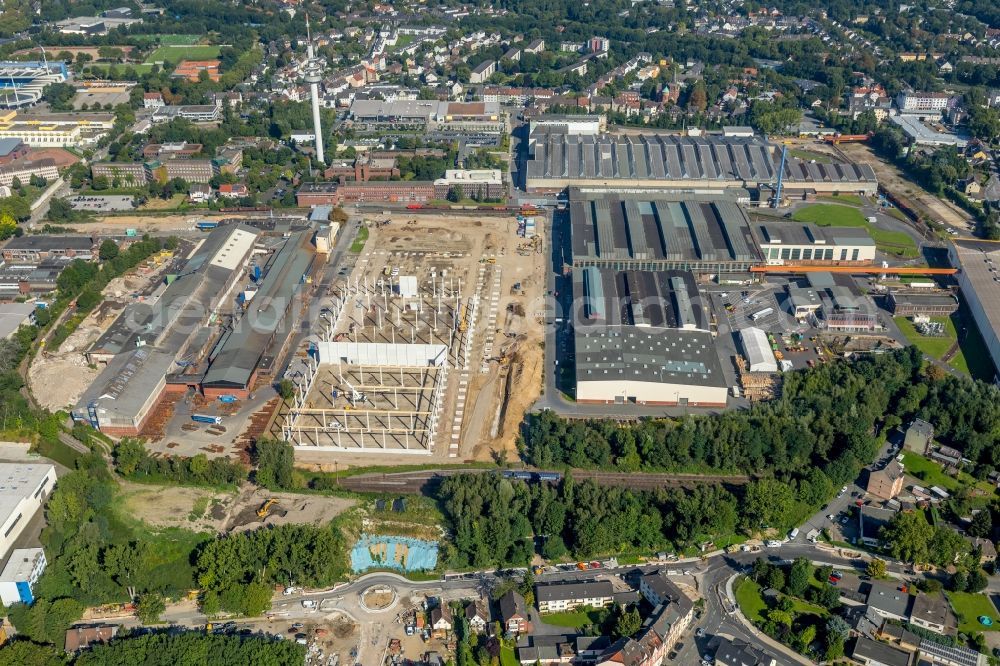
x: 403, y: 344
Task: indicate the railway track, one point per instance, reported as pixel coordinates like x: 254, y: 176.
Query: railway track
x: 414, y: 483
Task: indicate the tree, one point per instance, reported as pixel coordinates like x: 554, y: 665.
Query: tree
x: 982, y: 524
x: 455, y: 194
x: 150, y: 607
x: 945, y: 546
x: 798, y: 577
x: 210, y: 605
x: 628, y: 622
x: 876, y: 568
x: 274, y: 460
x: 108, y: 250
x: 59, y: 96
x: 908, y: 536
x: 8, y: 225
x: 286, y: 389
x: 806, y: 637
x: 127, y: 454
x: 766, y: 502
x: 977, y: 580
x: 960, y: 581
x: 26, y: 653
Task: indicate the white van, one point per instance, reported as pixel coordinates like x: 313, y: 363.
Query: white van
x: 794, y: 533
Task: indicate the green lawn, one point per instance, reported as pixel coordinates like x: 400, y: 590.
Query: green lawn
x: 507, y: 657
x: 846, y: 199
x: 360, y: 240
x: 969, y: 607
x: 749, y: 600
x: 174, y: 54
x: 573, y: 619
x: 935, y: 347
x: 896, y: 243
x: 928, y: 471
x: 801, y: 607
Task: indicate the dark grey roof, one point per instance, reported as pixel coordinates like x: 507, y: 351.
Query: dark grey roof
x: 805, y: 171
x: 888, y: 597
x: 883, y: 653
x: 185, y: 302
x: 647, y: 354
x: 667, y: 299
x: 933, y: 299
x: 651, y: 157
x: 933, y: 609
x: 735, y: 652
x: 648, y: 227
x: 587, y: 589
x: 511, y: 605
x: 47, y: 243
x: 239, y: 351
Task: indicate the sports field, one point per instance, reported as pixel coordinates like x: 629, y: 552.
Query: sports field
x: 174, y: 54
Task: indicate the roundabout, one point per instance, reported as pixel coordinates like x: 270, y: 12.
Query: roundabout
x: 378, y: 598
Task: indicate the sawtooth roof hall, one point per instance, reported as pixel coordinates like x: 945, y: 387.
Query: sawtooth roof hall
x: 559, y: 158
x: 658, y: 232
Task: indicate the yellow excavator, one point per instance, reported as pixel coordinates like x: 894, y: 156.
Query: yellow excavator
x: 265, y: 508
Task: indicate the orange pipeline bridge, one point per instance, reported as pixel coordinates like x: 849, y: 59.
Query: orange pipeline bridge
x: 867, y: 270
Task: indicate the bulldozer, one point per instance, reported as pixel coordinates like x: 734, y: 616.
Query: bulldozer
x: 265, y: 508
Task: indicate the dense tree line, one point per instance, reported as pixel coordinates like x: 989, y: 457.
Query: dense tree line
x: 497, y: 521
x: 826, y: 419
x: 94, y: 557
x: 237, y: 572
x: 166, y: 649
x: 134, y: 462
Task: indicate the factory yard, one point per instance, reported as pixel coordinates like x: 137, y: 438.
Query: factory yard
x: 207, y: 510
x: 59, y: 377
x: 426, y: 288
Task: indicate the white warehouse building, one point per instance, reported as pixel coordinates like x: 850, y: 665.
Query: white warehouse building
x: 648, y: 366
x: 23, y: 491
x: 760, y: 358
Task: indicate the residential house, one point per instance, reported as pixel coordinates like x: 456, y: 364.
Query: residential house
x: 82, y: 637
x: 919, y: 435
x: 932, y: 612
x: 441, y: 620
x: 735, y: 652
x: 890, y: 600
x: 899, y: 636
x: 233, y: 190
x: 987, y: 550
x: 483, y: 71
x: 556, y: 597
x: 477, y: 616
x: 875, y: 653
x: 871, y: 520
x: 514, y: 613
x: 887, y: 482
x: 199, y: 192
